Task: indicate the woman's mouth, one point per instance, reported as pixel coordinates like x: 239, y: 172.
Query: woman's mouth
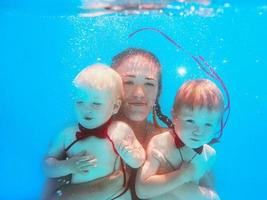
x: 137, y: 103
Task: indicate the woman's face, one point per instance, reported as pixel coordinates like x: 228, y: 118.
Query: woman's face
x: 140, y: 81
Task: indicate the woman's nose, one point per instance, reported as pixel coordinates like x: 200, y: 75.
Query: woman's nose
x: 139, y: 92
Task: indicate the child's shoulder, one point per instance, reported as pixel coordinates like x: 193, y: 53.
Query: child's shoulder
x: 59, y: 141
x: 162, y: 141
x: 70, y: 130
x: 67, y: 132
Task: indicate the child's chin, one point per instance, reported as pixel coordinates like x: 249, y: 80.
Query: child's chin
x: 194, y: 145
x: 88, y: 125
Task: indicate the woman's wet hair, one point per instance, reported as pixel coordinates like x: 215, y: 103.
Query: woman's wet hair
x: 161, y: 116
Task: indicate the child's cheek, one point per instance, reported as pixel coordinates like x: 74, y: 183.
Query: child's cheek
x: 187, y: 127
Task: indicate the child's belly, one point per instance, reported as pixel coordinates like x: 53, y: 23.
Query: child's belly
x: 104, y: 153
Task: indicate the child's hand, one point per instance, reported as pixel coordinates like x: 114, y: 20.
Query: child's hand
x: 191, y: 171
x: 124, y: 147
x: 131, y: 151
x: 188, y: 171
x: 81, y: 163
x: 158, y: 155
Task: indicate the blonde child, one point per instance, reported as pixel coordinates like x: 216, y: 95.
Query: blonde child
x: 179, y: 161
x: 96, y: 145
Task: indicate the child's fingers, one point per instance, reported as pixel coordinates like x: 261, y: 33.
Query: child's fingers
x: 78, y: 162
x: 126, y: 142
x: 128, y: 148
x: 119, y: 147
x: 84, y: 162
x: 86, y: 158
x: 84, y: 165
x: 125, y: 149
x: 83, y: 153
x: 84, y: 170
x: 93, y: 162
x: 158, y: 155
x: 124, y: 146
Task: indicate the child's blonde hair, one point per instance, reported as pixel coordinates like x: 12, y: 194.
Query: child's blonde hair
x: 101, y: 77
x: 198, y: 93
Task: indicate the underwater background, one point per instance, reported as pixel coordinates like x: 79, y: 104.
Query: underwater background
x: 43, y: 45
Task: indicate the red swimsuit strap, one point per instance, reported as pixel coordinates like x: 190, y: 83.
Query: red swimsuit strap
x: 83, y: 133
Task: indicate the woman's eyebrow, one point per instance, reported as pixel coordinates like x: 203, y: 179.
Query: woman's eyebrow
x: 149, y: 78
x: 129, y: 75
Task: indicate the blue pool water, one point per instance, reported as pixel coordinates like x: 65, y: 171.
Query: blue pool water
x: 42, y: 50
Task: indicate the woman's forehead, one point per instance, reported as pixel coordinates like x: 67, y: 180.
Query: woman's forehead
x: 138, y: 66
x: 147, y: 74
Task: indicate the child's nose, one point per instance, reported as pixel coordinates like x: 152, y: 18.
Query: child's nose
x: 87, y: 107
x: 196, y: 131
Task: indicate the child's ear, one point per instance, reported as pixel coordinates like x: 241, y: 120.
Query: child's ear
x: 117, y: 106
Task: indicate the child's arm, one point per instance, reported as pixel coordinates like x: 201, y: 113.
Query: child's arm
x: 80, y: 163
x: 207, y: 182
x: 202, y: 190
x: 126, y: 144
x: 149, y: 184
x: 55, y: 166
